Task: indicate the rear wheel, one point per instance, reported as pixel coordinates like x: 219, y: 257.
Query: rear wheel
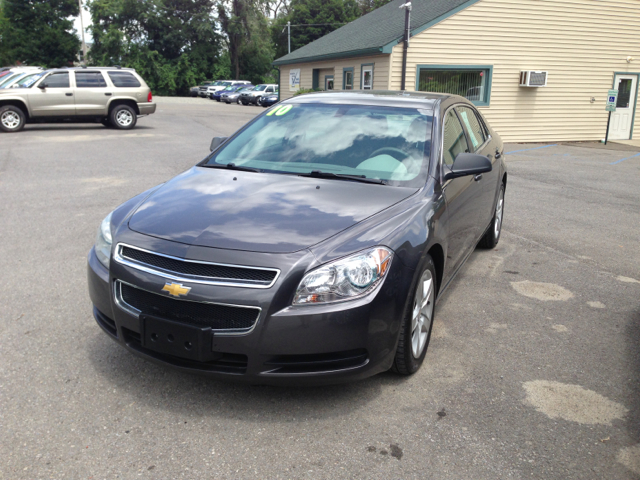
x: 492, y: 236
x: 123, y: 117
x: 258, y: 101
x: 12, y: 118
x: 415, y: 332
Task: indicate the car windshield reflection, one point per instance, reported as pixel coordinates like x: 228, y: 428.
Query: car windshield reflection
x: 384, y: 143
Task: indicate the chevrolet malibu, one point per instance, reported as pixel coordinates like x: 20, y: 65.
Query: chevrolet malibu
x: 311, y: 246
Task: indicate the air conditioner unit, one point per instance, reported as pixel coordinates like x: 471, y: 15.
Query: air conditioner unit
x: 530, y: 78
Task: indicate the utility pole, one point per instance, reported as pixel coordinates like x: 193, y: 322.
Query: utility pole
x: 289, y: 34
x: 407, y: 34
x: 84, y: 45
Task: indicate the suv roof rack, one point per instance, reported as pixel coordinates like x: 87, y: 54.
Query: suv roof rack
x: 118, y: 67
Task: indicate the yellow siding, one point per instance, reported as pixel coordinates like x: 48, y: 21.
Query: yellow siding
x: 380, y: 73
x: 581, y: 43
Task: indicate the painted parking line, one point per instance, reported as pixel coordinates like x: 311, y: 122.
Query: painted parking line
x: 623, y: 159
x: 535, y: 148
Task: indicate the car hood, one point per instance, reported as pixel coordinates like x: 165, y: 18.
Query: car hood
x: 258, y: 212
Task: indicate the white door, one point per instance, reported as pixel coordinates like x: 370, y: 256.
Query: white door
x: 622, y: 118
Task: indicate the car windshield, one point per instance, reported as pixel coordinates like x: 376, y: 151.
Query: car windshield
x: 260, y: 88
x: 29, y: 80
x: 386, y: 143
x: 216, y: 83
x: 8, y: 79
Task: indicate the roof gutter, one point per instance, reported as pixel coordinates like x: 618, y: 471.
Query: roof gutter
x: 330, y: 56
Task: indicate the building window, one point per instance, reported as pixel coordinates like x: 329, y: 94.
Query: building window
x: 471, y: 82
x: 366, y: 76
x: 347, y: 78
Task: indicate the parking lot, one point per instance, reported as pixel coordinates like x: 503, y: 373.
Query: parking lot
x: 533, y: 370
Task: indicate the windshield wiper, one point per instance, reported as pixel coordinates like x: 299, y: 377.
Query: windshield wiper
x: 342, y: 176
x: 231, y: 166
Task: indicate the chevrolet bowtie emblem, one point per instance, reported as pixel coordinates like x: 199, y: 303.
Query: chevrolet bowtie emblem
x: 176, y: 289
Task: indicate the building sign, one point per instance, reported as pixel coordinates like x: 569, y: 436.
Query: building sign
x: 294, y: 79
x: 612, y: 99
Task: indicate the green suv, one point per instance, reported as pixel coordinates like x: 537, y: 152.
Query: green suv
x: 114, y: 96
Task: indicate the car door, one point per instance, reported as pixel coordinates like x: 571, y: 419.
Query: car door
x: 481, y: 143
x: 53, y: 97
x: 91, y: 93
x: 461, y: 195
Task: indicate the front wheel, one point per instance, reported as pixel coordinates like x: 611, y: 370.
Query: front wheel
x: 492, y: 236
x: 417, y: 324
x: 12, y: 118
x: 123, y: 117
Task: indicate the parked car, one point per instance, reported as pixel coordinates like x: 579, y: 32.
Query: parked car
x: 270, y: 100
x: 215, y: 88
x: 311, y: 246
x: 14, y: 81
x: 234, y: 97
x: 230, y: 88
x: 202, y: 89
x: 195, y: 90
x: 112, y: 95
x: 12, y: 74
x: 253, y: 97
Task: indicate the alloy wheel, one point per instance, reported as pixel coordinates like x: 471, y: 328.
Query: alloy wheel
x: 497, y: 225
x: 423, y: 307
x: 124, y: 118
x: 10, y: 120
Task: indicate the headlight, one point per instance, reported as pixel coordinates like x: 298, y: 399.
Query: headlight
x: 104, y: 241
x: 344, y: 279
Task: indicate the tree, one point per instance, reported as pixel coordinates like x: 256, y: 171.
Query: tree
x: 310, y: 20
x: 173, y: 44
x: 248, y: 42
x: 39, y: 32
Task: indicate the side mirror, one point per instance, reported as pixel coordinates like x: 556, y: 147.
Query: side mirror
x: 217, y: 141
x: 42, y: 86
x: 468, y: 164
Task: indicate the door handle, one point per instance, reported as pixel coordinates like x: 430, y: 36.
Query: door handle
x: 69, y: 94
x: 108, y: 94
x: 478, y: 177
x: 498, y: 154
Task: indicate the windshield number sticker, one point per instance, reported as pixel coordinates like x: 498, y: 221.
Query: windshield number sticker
x: 281, y: 110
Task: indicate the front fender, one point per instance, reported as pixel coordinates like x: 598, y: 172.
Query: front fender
x: 12, y: 99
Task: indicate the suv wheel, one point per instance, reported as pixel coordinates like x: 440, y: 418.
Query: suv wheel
x: 258, y: 101
x: 123, y: 117
x: 12, y: 119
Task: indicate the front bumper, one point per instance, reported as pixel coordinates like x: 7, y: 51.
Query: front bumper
x: 147, y: 108
x: 302, y: 345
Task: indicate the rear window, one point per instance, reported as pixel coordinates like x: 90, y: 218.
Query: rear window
x: 124, y: 79
x: 90, y: 80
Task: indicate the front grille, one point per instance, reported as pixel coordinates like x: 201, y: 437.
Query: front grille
x: 317, y: 363
x: 225, y: 363
x: 232, y: 274
x: 217, y: 317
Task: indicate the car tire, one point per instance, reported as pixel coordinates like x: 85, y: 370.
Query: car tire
x: 238, y: 101
x: 258, y: 101
x: 123, y: 117
x: 415, y: 332
x: 492, y: 235
x: 12, y: 119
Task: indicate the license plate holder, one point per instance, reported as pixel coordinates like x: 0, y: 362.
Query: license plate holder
x: 177, y: 339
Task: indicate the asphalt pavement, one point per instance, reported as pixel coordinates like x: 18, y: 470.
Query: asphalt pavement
x: 532, y: 371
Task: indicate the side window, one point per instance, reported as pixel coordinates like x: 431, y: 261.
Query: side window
x: 90, y: 80
x: 57, y: 80
x: 270, y: 89
x: 124, y: 80
x: 454, y: 140
x: 473, y: 126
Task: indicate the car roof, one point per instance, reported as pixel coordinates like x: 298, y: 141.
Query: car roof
x: 66, y: 69
x: 391, y: 98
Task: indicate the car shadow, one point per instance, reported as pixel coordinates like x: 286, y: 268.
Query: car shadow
x: 632, y: 334
x: 162, y: 387
x: 35, y: 127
